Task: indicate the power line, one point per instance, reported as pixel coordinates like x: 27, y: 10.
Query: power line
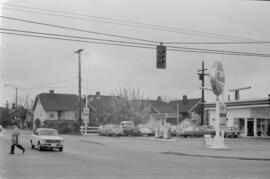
x: 222, y: 43
x: 218, y: 51
x: 171, y: 48
x: 76, y: 29
x: 127, y: 23
x: 134, y: 43
x: 76, y: 40
x: 79, y: 37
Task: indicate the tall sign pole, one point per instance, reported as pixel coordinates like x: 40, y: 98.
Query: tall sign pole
x: 217, y: 79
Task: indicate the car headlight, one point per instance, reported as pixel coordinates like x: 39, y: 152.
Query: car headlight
x: 61, y: 141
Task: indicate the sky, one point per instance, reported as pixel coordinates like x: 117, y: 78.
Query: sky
x: 36, y: 65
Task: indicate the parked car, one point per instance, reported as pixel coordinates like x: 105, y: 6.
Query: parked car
x: 145, y: 131
x: 101, y: 130
x: 173, y: 130
x: 195, y: 131
x: 129, y: 128
x: 231, y: 132
x: 207, y: 129
x: 113, y: 130
x: 46, y: 138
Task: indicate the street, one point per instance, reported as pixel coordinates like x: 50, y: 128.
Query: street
x: 114, y: 157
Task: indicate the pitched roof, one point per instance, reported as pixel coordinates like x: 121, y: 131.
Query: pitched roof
x: 185, y: 106
x: 100, y: 100
x: 161, y: 106
x: 58, y: 102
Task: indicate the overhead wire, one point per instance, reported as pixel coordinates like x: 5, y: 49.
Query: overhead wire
x: 80, y: 37
x: 171, y: 48
x: 76, y: 29
x: 76, y: 40
x: 127, y: 23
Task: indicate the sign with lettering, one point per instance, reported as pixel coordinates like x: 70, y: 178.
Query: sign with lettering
x: 217, y: 78
x: 208, y: 140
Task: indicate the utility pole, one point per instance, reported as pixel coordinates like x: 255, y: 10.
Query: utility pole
x: 80, y: 98
x: 201, y: 77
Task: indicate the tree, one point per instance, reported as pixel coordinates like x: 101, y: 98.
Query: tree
x: 129, y: 104
x: 5, y: 118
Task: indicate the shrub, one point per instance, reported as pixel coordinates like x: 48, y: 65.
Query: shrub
x: 63, y: 126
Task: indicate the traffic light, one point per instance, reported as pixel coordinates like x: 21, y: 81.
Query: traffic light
x: 161, y: 56
x: 269, y: 99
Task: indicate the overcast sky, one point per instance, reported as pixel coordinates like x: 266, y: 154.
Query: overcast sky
x: 36, y: 65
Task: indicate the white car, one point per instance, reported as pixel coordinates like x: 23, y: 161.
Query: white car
x: 46, y: 138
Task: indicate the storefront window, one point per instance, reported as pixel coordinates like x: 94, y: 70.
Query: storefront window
x: 241, y: 125
x: 263, y: 127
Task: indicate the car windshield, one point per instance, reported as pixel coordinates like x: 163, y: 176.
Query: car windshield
x: 128, y: 124
x: 47, y: 132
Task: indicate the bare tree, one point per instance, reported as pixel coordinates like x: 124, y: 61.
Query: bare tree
x: 129, y: 104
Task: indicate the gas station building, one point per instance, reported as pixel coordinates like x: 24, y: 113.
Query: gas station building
x: 251, y: 117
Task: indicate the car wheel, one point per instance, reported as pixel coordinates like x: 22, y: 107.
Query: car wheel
x: 60, y: 149
x: 32, y: 146
x: 39, y: 147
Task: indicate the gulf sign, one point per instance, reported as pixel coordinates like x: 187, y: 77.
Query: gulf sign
x: 217, y: 78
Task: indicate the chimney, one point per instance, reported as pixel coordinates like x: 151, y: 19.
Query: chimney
x: 185, y: 99
x: 159, y: 98
x: 51, y: 92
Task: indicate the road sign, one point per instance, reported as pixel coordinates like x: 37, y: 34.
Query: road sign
x: 217, y: 78
x: 86, y: 111
x: 208, y: 140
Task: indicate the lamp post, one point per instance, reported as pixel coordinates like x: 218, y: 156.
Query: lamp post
x: 80, y: 100
x: 16, y: 98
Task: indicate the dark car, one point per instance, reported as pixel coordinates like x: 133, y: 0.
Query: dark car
x: 231, y: 132
x: 196, y: 131
x: 129, y: 128
x: 111, y: 130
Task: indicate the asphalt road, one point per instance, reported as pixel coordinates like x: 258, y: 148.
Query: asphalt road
x: 103, y: 157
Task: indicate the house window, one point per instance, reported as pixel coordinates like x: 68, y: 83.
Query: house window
x: 51, y: 115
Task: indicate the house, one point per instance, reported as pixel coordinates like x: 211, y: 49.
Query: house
x: 99, y: 106
x: 188, y: 108
x: 53, y: 106
x: 250, y: 116
x: 161, y: 107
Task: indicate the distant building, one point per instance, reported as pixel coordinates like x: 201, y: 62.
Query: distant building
x: 160, y: 107
x: 99, y: 105
x: 251, y: 116
x: 188, y: 108
x: 53, y: 106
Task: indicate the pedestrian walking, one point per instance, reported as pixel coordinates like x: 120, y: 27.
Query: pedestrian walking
x: 15, y: 140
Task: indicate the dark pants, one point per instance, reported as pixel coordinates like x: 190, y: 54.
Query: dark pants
x: 13, y: 147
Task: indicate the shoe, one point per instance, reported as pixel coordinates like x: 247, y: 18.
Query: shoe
x: 11, y: 153
x: 23, y: 151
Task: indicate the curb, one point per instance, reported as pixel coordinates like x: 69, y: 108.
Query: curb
x: 215, y: 156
